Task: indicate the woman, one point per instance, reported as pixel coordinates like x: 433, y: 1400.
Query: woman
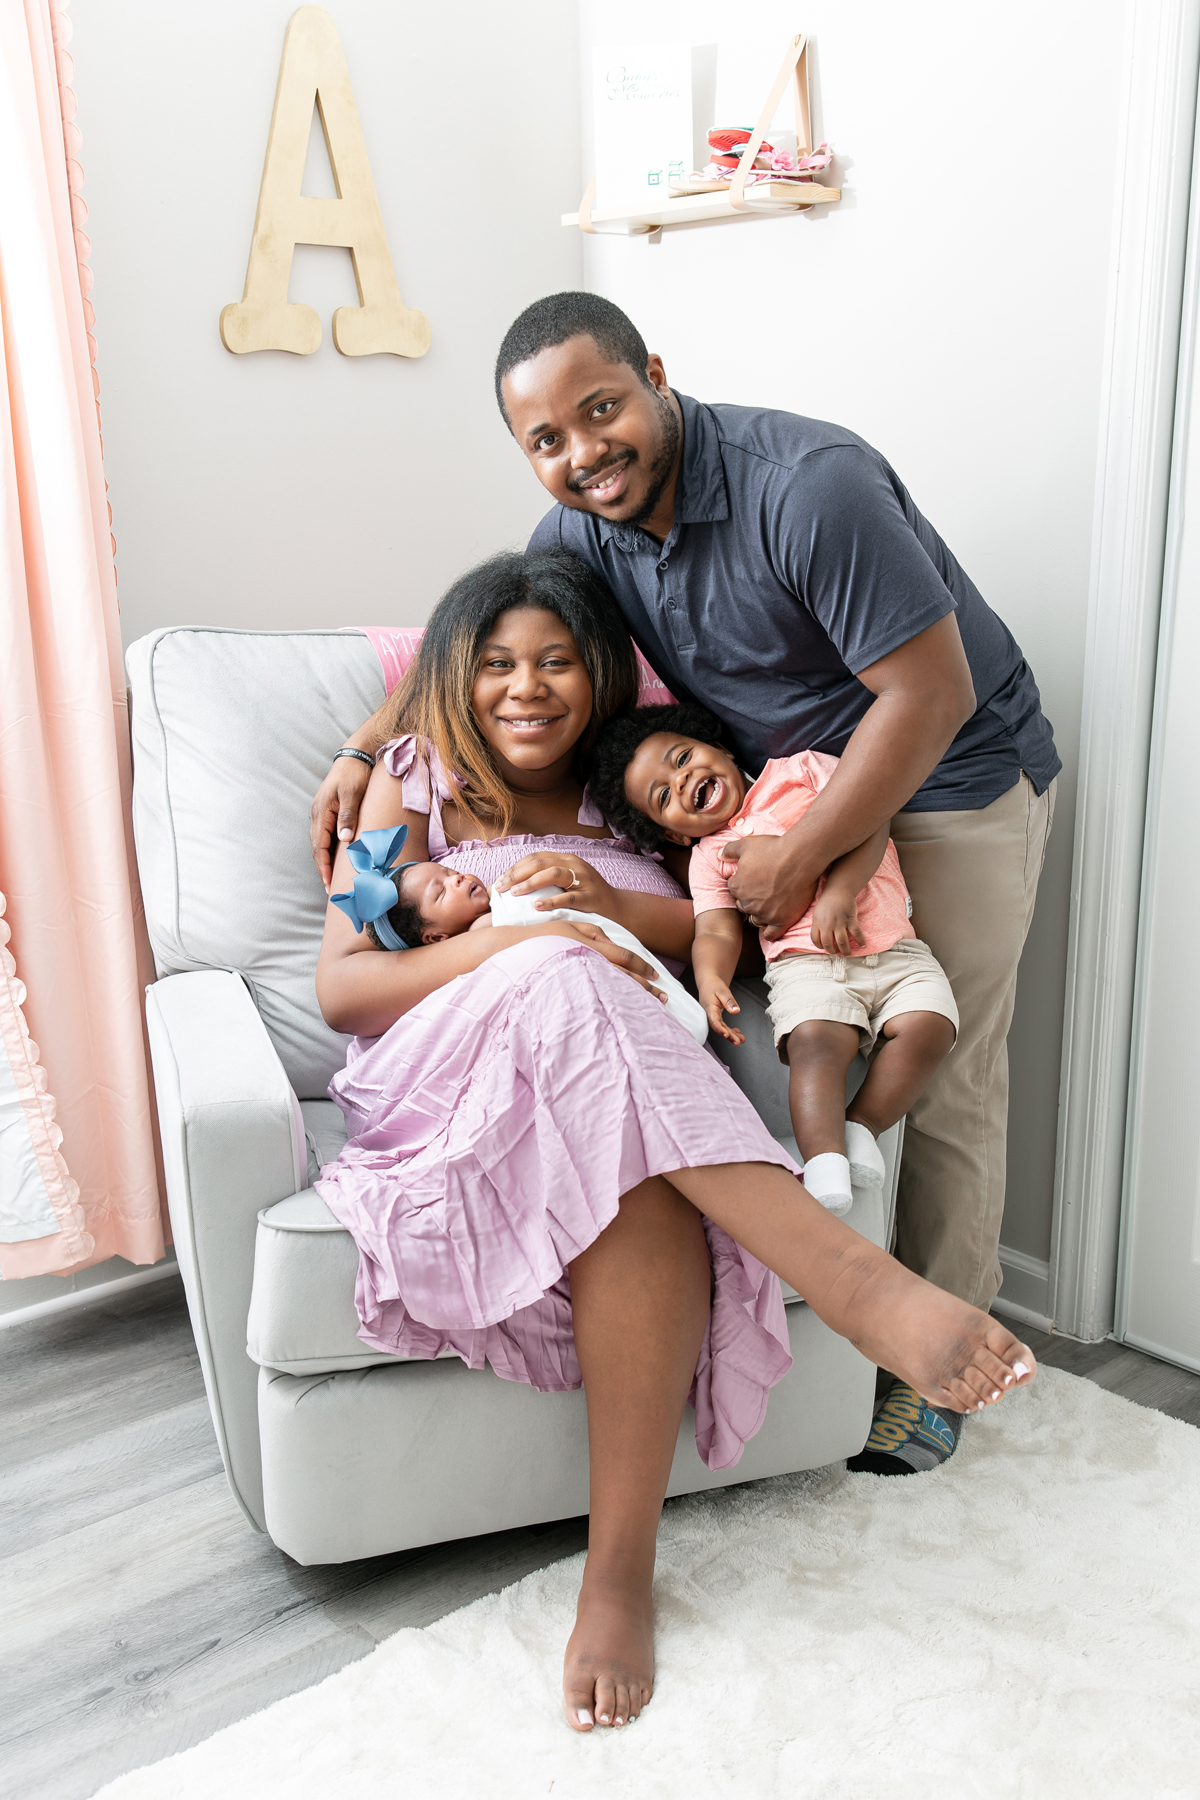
x: 543, y: 1170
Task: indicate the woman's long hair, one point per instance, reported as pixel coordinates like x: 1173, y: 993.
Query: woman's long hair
x: 434, y: 700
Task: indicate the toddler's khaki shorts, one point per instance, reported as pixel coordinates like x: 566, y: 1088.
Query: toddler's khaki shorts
x: 864, y: 991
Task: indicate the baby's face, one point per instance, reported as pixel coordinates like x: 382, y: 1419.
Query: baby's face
x: 689, y: 788
x: 448, y: 902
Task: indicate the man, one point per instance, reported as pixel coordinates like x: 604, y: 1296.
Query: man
x: 774, y: 568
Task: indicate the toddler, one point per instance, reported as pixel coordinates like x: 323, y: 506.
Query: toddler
x: 402, y: 905
x: 850, y: 972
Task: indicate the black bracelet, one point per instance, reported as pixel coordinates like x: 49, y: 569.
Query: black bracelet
x: 361, y: 755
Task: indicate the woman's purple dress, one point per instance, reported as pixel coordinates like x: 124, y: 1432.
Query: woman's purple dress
x: 494, y: 1129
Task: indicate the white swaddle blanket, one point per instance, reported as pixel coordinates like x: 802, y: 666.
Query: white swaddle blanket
x: 519, y: 909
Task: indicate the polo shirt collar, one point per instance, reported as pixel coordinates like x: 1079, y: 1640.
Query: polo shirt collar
x: 701, y: 496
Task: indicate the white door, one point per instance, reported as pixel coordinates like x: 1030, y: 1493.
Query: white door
x: 1159, y: 1290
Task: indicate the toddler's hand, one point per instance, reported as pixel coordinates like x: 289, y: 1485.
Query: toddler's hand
x: 835, y: 923
x: 717, y: 1001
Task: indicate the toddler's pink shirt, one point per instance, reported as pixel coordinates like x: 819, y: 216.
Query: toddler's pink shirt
x: 782, y: 794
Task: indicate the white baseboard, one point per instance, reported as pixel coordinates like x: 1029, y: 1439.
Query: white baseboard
x: 1025, y: 1292
x: 101, y: 1290
x: 1178, y: 1357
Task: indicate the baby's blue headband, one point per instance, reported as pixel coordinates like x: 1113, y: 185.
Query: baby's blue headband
x: 376, y: 883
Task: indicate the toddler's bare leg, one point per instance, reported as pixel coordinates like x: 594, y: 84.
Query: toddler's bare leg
x: 901, y: 1069
x: 820, y: 1052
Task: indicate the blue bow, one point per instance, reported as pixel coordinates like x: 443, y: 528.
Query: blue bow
x: 376, y: 882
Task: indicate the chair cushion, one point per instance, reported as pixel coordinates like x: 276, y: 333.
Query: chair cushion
x: 233, y: 732
x: 324, y: 1134
x: 302, y: 1317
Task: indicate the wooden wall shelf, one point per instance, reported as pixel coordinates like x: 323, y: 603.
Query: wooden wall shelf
x: 721, y: 201
x: 692, y: 209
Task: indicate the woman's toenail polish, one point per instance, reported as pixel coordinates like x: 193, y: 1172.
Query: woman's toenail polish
x: 584, y: 1717
x: 1008, y: 1381
x: 1020, y: 1368
x: 996, y: 1394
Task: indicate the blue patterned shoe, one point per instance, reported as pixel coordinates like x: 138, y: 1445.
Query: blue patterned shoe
x: 908, y: 1435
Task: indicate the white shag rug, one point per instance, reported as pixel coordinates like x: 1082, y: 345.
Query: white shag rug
x: 1024, y: 1621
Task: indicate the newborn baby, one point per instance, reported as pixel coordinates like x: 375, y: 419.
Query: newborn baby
x: 437, y: 902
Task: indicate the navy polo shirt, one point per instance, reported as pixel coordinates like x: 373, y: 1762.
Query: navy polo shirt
x: 795, y: 560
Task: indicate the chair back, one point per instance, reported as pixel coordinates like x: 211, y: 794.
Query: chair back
x: 232, y: 735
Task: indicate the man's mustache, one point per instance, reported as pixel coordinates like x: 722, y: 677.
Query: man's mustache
x: 579, y: 482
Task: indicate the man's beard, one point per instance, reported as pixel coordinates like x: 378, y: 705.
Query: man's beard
x: 664, y: 462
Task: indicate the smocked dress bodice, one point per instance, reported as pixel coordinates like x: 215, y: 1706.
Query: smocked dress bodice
x: 426, y: 788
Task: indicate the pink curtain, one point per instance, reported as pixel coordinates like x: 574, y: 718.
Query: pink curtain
x: 78, y: 1181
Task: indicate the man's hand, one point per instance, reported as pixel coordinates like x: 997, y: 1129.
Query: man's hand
x: 717, y: 1000
x: 770, y: 887
x: 835, y: 921
x: 334, y: 811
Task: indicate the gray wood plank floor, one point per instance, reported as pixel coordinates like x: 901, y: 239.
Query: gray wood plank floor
x: 140, y: 1613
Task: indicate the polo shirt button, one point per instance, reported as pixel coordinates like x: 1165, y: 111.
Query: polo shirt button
x: 670, y: 606
x: 662, y: 565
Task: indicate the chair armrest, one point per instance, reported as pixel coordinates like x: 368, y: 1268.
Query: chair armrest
x: 233, y: 1142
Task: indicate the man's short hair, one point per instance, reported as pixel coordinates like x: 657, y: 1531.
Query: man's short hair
x: 558, y: 317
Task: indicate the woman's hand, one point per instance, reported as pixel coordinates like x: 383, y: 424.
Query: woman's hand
x: 334, y: 811
x: 591, y: 935
x: 586, y: 890
x: 835, y: 922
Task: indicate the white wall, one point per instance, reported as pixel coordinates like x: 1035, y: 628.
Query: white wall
x: 278, y: 490
x: 274, y: 490
x: 951, y: 310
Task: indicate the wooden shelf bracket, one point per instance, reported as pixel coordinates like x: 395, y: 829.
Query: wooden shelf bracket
x: 651, y: 216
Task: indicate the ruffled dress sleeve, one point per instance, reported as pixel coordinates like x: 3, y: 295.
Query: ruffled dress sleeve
x: 589, y: 812
x: 424, y: 784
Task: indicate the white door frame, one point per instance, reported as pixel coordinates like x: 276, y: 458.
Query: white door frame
x: 1155, y: 143
x: 1183, y: 446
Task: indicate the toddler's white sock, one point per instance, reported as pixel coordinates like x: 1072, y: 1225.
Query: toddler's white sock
x: 827, y: 1178
x: 866, y: 1164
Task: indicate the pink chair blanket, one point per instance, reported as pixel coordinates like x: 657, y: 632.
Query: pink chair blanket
x: 395, y: 646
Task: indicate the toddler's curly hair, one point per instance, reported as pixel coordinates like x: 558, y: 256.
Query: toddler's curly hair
x: 616, y: 747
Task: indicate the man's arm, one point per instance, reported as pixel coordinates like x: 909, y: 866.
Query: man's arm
x: 924, y: 695
x: 333, y: 814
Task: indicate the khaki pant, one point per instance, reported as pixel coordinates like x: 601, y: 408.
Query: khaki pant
x: 973, y: 878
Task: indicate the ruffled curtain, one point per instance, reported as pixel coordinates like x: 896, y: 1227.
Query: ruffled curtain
x: 78, y: 1181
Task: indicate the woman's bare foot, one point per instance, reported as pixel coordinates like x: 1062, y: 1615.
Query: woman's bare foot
x: 608, y: 1670
x: 953, y: 1354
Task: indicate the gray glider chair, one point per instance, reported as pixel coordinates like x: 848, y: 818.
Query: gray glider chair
x: 336, y: 1452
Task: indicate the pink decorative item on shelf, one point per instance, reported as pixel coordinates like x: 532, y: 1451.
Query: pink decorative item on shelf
x: 727, y: 143
x: 769, y: 165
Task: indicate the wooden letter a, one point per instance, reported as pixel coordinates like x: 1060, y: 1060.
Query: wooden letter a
x: 314, y: 67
